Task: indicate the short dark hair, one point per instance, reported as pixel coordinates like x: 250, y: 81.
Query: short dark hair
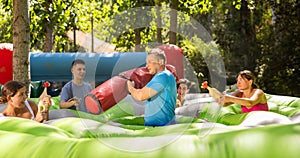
x: 78, y: 61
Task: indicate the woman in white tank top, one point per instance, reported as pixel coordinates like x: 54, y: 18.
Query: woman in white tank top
x: 14, y: 95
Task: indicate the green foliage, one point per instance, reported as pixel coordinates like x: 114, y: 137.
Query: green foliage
x: 57, y: 15
x: 257, y: 35
x: 203, y: 58
x: 194, y: 61
x: 6, y: 21
x: 281, y: 47
x: 192, y: 7
x: 119, y: 27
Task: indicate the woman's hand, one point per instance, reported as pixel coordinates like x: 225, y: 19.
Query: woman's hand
x: 43, y: 108
x: 45, y: 103
x: 47, y: 100
x: 221, y: 99
x: 41, y: 116
x: 224, y: 100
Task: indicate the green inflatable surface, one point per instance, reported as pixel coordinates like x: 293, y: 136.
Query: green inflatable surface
x: 117, y: 132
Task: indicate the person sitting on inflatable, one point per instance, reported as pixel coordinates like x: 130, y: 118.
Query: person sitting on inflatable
x: 249, y: 96
x: 182, y: 89
x: 14, y: 94
x: 160, y: 92
x: 73, y: 92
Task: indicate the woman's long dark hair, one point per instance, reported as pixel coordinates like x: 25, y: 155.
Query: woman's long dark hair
x: 249, y: 76
x: 184, y: 81
x: 10, y: 88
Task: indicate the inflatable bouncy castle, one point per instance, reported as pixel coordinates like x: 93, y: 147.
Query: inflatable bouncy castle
x: 119, y: 132
x: 203, y: 128
x: 6, y: 57
x: 114, y: 90
x: 100, y: 67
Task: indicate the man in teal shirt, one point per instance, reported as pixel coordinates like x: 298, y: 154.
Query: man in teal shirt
x: 160, y: 93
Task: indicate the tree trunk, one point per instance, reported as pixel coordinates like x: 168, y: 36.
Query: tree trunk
x: 173, y: 21
x: 21, y: 42
x: 159, y: 27
x: 74, y: 42
x: 49, y: 39
x: 137, y: 40
x: 49, y: 29
x: 248, y: 37
x: 92, y: 33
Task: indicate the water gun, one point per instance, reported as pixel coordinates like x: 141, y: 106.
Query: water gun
x: 213, y: 92
x: 43, y: 106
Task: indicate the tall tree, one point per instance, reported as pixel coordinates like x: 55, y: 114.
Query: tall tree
x: 233, y: 29
x: 173, y: 21
x: 280, y: 45
x: 51, y: 20
x: 49, y: 28
x: 248, y: 48
x: 159, y: 22
x: 21, y: 41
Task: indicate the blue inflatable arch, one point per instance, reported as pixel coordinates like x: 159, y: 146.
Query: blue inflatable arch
x: 99, y: 66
